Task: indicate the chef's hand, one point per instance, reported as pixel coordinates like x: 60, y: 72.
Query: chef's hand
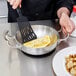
x: 66, y: 23
x: 15, y: 3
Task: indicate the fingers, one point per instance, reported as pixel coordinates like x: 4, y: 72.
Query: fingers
x: 70, y: 26
x: 12, y: 2
x: 15, y: 3
x: 69, y: 29
x: 20, y: 3
x: 64, y: 31
x: 66, y: 24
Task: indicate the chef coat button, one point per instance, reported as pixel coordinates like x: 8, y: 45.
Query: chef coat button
x: 37, y: 14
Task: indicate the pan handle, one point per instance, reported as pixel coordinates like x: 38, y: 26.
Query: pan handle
x: 64, y: 39
x: 12, y: 42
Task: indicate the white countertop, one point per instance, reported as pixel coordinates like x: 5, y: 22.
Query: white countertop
x: 14, y: 63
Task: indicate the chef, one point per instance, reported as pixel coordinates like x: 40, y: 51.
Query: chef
x: 43, y: 10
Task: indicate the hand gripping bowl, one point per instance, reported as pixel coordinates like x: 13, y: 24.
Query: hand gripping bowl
x: 40, y: 31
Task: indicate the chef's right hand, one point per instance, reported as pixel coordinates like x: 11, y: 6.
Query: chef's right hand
x: 15, y: 3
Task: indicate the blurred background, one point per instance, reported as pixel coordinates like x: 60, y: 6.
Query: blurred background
x: 3, y: 11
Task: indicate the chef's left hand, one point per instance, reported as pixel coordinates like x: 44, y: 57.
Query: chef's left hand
x: 66, y: 23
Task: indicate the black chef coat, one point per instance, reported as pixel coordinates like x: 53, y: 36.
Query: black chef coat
x: 39, y: 9
x: 74, y: 2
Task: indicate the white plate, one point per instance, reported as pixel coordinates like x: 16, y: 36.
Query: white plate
x: 59, y: 61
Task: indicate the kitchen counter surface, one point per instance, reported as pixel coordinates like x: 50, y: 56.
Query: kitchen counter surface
x: 3, y: 11
x: 14, y: 63
x: 3, y: 8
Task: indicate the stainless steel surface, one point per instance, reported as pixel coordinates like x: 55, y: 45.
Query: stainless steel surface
x: 3, y: 8
x: 14, y: 63
x: 3, y: 20
x: 3, y: 11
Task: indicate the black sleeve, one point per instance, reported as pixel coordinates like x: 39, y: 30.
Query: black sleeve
x: 74, y: 2
x: 64, y: 3
x: 12, y: 14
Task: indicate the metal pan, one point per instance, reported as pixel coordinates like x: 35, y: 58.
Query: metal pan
x: 40, y: 31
